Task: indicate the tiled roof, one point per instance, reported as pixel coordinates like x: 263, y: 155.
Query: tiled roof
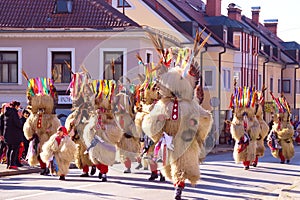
x: 191, y: 8
x: 226, y: 21
x: 166, y: 14
x: 94, y: 14
x: 290, y: 45
x: 267, y: 37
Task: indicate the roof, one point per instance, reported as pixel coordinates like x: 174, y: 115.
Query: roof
x: 290, y: 45
x: 166, y: 14
x: 226, y: 21
x: 267, y: 37
x: 94, y: 14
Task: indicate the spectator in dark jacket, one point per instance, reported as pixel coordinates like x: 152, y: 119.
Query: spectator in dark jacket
x: 25, y: 115
x: 12, y: 133
x: 2, y: 143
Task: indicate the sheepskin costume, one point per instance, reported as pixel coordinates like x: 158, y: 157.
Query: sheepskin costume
x: 41, y: 123
x: 59, y: 150
x: 74, y: 122
x: 188, y: 130
x: 283, y: 132
x: 129, y: 146
x: 102, y: 133
x: 178, y: 114
x: 264, y: 130
x: 245, y: 127
x: 147, y: 95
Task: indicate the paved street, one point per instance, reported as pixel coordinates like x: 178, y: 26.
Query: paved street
x: 221, y: 179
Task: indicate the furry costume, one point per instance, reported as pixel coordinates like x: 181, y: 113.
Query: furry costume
x: 264, y: 130
x: 60, y: 148
x: 147, y: 96
x: 245, y: 127
x: 41, y: 123
x: 74, y: 122
x: 129, y: 145
x: 178, y: 114
x: 282, y: 132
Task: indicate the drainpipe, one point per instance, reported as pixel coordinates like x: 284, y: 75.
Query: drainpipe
x: 264, y: 82
x: 295, y: 88
x: 219, y: 89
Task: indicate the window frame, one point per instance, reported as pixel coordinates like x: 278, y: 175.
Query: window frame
x: 297, y: 86
x: 226, y: 74
x: 271, y: 84
x: 120, y: 5
x: 240, y: 40
x: 213, y: 70
x: 289, y: 86
x: 19, y: 63
x: 259, y: 82
x: 101, y: 60
x: 49, y: 58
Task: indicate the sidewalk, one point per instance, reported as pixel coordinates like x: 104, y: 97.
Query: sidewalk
x: 21, y: 170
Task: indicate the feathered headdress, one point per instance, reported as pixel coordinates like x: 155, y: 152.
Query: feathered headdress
x: 280, y: 104
x: 243, y: 97
x: 103, y: 88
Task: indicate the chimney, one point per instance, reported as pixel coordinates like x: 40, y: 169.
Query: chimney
x: 271, y: 24
x: 213, y: 8
x: 109, y: 2
x: 255, y: 14
x: 234, y: 12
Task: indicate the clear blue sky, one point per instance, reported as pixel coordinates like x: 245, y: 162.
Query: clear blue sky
x: 287, y: 12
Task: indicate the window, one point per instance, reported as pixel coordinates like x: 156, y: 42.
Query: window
x: 271, y: 84
x: 115, y: 71
x: 286, y: 86
x: 63, y: 6
x: 259, y: 82
x: 208, y: 77
x: 237, y: 40
x: 297, y: 86
x: 60, y: 72
x: 9, y: 67
x: 225, y: 35
x: 226, y: 78
x: 122, y: 3
x: 279, y: 86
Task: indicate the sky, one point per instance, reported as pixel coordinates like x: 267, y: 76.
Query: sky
x: 286, y: 11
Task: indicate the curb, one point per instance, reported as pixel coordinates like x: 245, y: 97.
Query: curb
x: 20, y: 171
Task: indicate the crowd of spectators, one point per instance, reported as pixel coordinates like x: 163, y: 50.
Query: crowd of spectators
x: 13, y: 144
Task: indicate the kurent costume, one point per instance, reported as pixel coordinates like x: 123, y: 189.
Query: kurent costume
x: 58, y: 152
x: 146, y: 97
x: 42, y: 122
x: 264, y: 130
x: 98, y: 132
x: 74, y: 122
x: 245, y: 128
x: 129, y: 145
x: 178, y: 114
x: 105, y: 133
x: 280, y: 138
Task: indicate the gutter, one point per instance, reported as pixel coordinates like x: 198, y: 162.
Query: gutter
x: 295, y: 86
x: 220, y: 72
x: 219, y: 90
x: 264, y: 83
